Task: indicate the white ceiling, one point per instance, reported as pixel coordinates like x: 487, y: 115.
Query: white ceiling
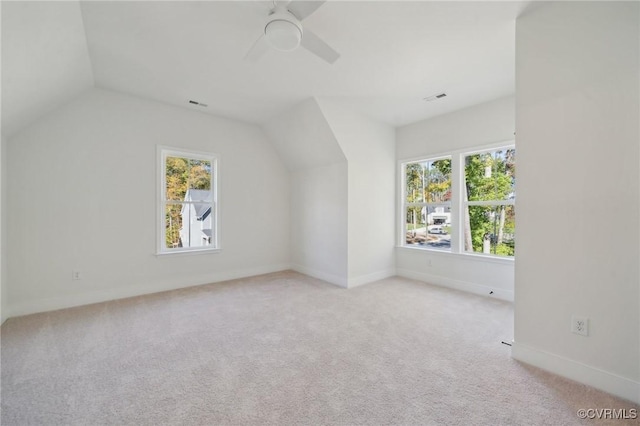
x: 44, y: 59
x: 393, y: 54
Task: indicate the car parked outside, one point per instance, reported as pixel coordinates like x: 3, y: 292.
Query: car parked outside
x: 435, y: 229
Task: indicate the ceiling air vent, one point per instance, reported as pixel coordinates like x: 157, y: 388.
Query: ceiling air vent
x: 198, y: 103
x: 435, y: 97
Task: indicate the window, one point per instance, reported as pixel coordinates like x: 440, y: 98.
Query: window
x: 489, y: 210
x: 463, y: 202
x: 187, y: 208
x: 427, y: 203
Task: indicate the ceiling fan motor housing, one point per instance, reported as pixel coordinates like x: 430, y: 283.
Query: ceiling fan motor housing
x: 283, y: 30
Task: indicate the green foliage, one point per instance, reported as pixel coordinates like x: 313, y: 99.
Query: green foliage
x: 426, y: 182
x: 414, y: 174
x: 488, y: 177
x: 505, y: 249
x: 483, y: 186
x: 438, y: 187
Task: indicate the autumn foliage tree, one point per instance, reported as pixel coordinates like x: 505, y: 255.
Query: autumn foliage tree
x: 428, y: 183
x: 182, y: 174
x: 487, y: 192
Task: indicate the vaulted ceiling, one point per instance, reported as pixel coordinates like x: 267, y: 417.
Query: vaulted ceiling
x: 393, y: 54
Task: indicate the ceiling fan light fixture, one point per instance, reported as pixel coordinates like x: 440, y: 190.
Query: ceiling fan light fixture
x: 282, y: 30
x: 283, y: 34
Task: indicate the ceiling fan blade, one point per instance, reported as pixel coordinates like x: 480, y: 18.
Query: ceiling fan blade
x: 315, y: 45
x: 303, y: 8
x: 258, y: 49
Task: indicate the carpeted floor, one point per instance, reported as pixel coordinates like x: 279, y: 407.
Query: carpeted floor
x: 283, y: 349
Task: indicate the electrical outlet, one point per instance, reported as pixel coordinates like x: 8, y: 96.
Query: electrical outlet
x: 580, y: 325
x: 76, y: 275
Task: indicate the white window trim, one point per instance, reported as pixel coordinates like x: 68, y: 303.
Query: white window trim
x: 404, y: 204
x: 162, y: 152
x: 457, y: 202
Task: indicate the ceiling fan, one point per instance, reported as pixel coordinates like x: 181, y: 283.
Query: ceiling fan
x: 283, y: 31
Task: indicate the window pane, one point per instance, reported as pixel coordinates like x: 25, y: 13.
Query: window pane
x: 189, y: 225
x: 438, y: 181
x: 491, y: 175
x: 490, y: 230
x: 428, y: 226
x: 173, y: 223
x: 196, y: 230
x: 414, y: 173
x: 183, y: 174
x: 428, y: 181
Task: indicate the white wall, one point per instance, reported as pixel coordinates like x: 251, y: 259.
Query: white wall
x: 318, y: 168
x: 483, y: 124
x: 3, y: 217
x: 4, y: 311
x: 82, y: 195
x: 319, y: 222
x: 369, y: 147
x: 577, y: 126
x: 478, y: 125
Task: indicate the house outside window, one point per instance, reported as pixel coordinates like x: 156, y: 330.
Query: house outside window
x: 187, y: 208
x: 461, y: 202
x: 427, y: 203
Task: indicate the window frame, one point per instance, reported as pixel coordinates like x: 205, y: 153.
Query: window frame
x: 423, y: 204
x: 163, y: 152
x: 458, y: 203
x: 482, y: 203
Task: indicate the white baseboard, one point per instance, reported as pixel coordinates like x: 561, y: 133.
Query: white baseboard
x: 456, y: 284
x: 342, y: 281
x: 369, y: 278
x: 588, y: 375
x: 321, y: 275
x: 160, y: 285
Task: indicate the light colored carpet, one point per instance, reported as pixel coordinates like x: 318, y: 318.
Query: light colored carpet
x: 282, y: 349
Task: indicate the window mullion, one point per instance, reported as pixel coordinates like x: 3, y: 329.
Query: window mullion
x: 490, y: 203
x: 457, y: 182
x: 491, y: 216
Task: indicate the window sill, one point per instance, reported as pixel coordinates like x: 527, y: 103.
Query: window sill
x: 476, y: 257
x: 188, y: 252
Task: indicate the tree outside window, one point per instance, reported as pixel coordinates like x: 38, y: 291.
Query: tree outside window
x: 428, y: 203
x: 188, y: 201
x: 489, y: 206
x: 478, y: 200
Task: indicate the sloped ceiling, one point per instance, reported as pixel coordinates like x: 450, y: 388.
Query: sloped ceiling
x: 45, y: 61
x: 393, y: 54
x: 303, y: 137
